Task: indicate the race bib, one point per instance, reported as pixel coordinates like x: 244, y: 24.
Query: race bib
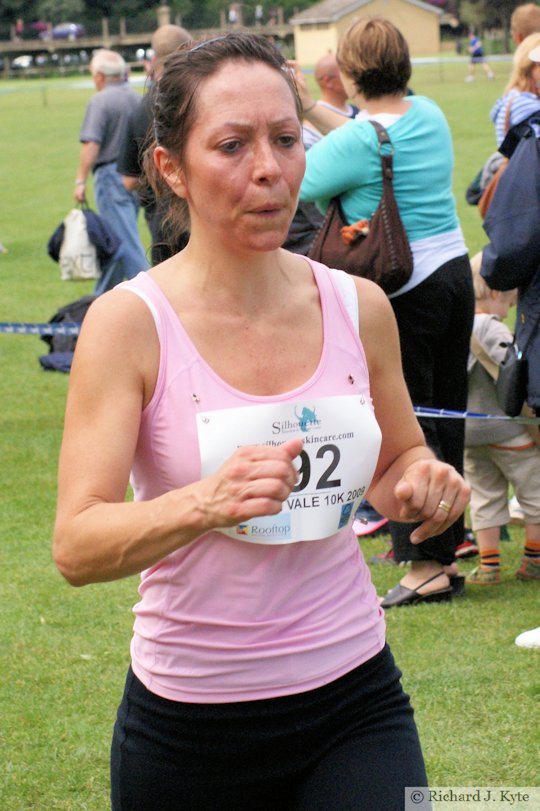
x: 341, y: 445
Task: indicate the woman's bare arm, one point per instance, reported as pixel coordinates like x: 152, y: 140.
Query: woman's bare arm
x: 409, y: 482
x: 98, y: 536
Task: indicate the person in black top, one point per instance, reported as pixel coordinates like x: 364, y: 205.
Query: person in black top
x: 165, y: 40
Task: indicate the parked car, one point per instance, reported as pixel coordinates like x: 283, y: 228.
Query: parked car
x: 22, y: 62
x: 38, y: 27
x: 65, y: 31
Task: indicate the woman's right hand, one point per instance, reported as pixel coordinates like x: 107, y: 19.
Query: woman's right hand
x: 301, y: 83
x: 254, y: 481
x: 321, y: 117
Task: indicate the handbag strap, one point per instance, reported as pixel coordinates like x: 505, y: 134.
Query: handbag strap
x: 387, y: 158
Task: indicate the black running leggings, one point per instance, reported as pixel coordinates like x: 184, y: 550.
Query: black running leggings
x: 349, y: 745
x: 434, y: 323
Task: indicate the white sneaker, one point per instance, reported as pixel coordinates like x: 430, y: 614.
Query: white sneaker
x: 529, y: 639
x: 469, y: 78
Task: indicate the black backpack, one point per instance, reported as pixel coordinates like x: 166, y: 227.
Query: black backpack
x: 61, y: 347
x: 511, y: 223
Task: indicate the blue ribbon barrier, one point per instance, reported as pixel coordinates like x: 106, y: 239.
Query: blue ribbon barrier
x: 21, y: 328
x: 444, y: 413
x: 72, y: 328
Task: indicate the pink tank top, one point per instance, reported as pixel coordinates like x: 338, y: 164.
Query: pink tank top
x: 226, y: 619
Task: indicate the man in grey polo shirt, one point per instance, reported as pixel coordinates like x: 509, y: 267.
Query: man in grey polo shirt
x: 101, y: 135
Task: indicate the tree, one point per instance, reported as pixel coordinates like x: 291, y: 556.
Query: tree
x: 484, y: 14
x: 500, y: 11
x: 10, y: 10
x: 95, y: 9
x: 471, y: 14
x: 207, y: 13
x: 193, y: 13
x: 292, y: 7
x: 181, y: 10
x: 59, y: 11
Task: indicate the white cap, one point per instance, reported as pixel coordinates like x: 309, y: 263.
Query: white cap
x: 534, y: 55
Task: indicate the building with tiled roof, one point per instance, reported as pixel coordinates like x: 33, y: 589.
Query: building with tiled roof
x: 317, y: 29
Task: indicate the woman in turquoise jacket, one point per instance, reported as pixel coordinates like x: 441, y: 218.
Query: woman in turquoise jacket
x: 435, y: 308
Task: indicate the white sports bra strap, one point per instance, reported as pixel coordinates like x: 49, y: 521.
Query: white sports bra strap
x: 349, y: 295
x: 149, y: 303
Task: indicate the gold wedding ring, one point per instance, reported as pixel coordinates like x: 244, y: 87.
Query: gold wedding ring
x: 444, y: 506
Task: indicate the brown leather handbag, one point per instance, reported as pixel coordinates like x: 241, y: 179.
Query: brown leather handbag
x: 377, y: 249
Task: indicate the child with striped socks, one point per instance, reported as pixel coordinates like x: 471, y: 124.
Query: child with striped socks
x: 497, y: 453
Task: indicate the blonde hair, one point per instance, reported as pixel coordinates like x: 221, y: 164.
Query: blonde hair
x: 520, y: 78
x: 525, y: 20
x: 481, y: 289
x: 374, y: 54
x: 167, y: 39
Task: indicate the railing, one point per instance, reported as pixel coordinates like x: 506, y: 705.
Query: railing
x: 124, y: 41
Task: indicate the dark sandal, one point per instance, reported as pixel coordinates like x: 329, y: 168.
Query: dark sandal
x: 401, y: 595
x: 457, y: 584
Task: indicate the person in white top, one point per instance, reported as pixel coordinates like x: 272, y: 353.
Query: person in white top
x: 333, y: 96
x: 333, y: 93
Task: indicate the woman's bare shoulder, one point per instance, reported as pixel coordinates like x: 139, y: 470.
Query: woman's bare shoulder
x: 118, y: 333
x: 372, y: 300
x: 378, y: 328
x: 117, y: 310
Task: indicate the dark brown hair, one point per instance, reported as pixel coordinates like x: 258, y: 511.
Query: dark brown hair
x: 374, y: 54
x: 175, y: 101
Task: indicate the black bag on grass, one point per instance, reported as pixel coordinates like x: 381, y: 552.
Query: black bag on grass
x: 61, y: 347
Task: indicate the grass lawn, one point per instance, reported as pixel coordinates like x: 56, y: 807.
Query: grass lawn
x: 64, y: 652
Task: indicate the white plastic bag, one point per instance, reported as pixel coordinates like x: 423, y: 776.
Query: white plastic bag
x: 78, y: 256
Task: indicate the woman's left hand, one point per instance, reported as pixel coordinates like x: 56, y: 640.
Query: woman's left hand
x: 433, y: 493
